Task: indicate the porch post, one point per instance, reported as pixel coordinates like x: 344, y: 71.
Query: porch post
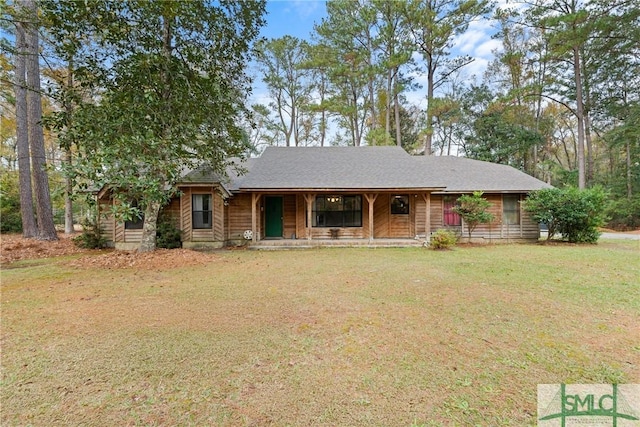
x: 254, y: 230
x: 297, y: 214
x: 427, y: 218
x: 309, y: 199
x: 371, y: 198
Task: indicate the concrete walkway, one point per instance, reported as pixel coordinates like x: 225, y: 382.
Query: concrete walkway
x: 613, y: 236
x: 620, y: 236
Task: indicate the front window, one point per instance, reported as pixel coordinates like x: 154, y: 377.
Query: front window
x: 400, y: 205
x: 449, y: 216
x: 135, y: 223
x: 337, y: 211
x: 201, y: 210
x: 511, y: 209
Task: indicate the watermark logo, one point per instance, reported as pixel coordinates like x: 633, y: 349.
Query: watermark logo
x: 593, y: 405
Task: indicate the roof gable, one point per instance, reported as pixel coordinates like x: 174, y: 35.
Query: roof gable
x: 235, y: 173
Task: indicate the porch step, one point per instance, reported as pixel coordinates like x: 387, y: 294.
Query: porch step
x: 275, y: 244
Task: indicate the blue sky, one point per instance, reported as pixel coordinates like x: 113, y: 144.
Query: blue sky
x: 293, y: 17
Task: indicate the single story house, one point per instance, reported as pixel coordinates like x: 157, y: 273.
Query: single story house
x: 355, y: 194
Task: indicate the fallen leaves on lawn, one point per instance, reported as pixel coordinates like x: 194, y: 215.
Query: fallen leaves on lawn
x: 13, y: 247
x: 160, y: 259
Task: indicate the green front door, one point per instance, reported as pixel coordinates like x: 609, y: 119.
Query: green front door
x: 273, y: 216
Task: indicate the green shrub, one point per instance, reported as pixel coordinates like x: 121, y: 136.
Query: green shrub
x: 574, y: 214
x: 10, y: 219
x: 168, y: 236
x: 91, y: 237
x: 443, y: 239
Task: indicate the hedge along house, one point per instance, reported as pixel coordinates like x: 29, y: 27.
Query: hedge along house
x: 328, y: 195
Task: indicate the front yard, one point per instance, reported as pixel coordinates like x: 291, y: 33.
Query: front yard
x: 326, y: 337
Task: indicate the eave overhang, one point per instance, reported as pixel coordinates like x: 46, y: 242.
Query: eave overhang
x: 342, y: 190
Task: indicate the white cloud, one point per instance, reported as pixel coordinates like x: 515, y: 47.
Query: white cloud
x: 466, y: 43
x: 487, y: 49
x: 475, y: 70
x: 305, y: 8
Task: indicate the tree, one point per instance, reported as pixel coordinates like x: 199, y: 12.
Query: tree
x: 346, y: 40
x: 173, y: 89
x: 29, y: 131
x: 568, y: 34
x: 29, y: 228
x: 584, y: 38
x: 503, y: 136
x: 318, y: 61
x: 65, y: 44
x: 410, y: 123
x: 262, y: 129
x: 281, y: 63
x: 46, y: 227
x: 393, y: 45
x: 519, y: 75
x: 69, y: 39
x: 433, y: 25
x: 62, y: 122
x: 447, y: 115
x: 473, y: 208
x: 615, y: 97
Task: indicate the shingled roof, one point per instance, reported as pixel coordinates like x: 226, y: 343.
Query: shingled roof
x: 336, y: 168
x: 466, y: 175
x: 287, y: 169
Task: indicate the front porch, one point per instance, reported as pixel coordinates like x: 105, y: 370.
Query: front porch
x: 389, y: 218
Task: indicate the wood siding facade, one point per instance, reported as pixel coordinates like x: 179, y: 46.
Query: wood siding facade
x: 234, y: 216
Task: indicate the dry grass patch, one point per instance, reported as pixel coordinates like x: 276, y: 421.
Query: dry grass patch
x: 318, y: 337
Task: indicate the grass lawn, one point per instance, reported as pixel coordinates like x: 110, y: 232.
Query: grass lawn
x: 326, y: 337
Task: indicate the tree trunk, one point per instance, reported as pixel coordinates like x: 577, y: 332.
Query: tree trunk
x: 294, y: 129
x: 429, y: 131
x: 580, y: 116
x: 589, y: 154
x: 396, y: 107
x: 356, y: 125
x: 323, y: 126
x: 370, y: 84
x: 68, y: 181
x: 152, y: 207
x: 586, y: 90
x: 29, y: 228
x: 149, y: 228
x: 46, y: 227
x: 68, y: 193
x: 323, y: 110
x: 387, y: 113
x: 629, y: 174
